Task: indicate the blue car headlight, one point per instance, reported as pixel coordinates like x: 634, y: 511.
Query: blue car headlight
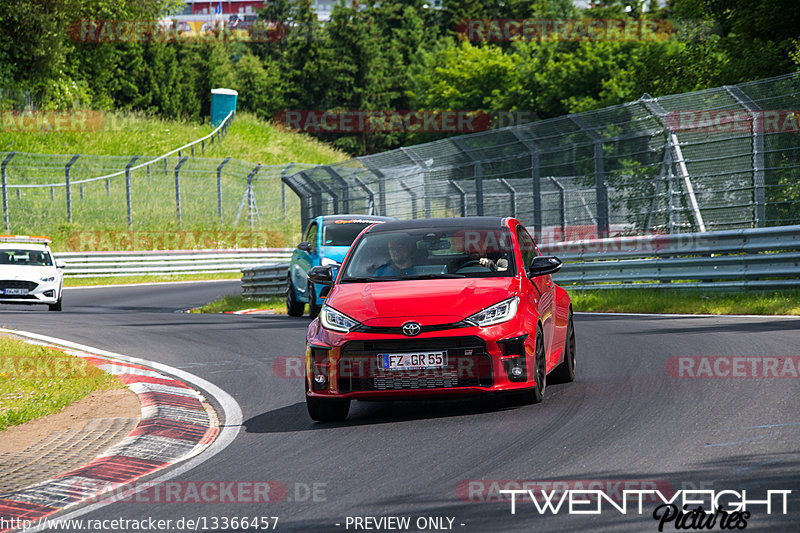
x: 336, y: 321
x: 325, y: 261
x: 495, y: 314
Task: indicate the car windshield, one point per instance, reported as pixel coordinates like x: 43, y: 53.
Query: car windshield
x: 344, y: 231
x: 25, y: 257
x: 431, y: 253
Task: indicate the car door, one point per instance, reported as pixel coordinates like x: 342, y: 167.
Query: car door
x: 544, y: 290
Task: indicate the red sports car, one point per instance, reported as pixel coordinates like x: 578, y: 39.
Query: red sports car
x: 437, y: 308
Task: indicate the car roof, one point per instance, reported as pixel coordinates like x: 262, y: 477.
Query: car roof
x: 24, y: 246
x: 367, y: 218
x: 458, y: 222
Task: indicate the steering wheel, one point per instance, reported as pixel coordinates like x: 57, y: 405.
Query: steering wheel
x: 472, y: 264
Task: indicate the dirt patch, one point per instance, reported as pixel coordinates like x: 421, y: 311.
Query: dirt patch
x: 120, y: 403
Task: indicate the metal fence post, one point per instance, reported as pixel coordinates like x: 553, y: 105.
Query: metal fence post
x: 5, y: 189
x: 283, y: 187
x: 52, y: 194
x: 381, y: 184
x: 536, y: 178
x: 369, y: 192
x: 600, y: 193
x: 413, y: 195
x: 463, y: 196
x: 219, y: 188
x: 67, y: 185
x: 343, y: 184
x: 425, y: 178
x: 128, y: 190
x: 563, y: 207
x: 759, y: 197
x: 513, y: 196
x: 178, y: 189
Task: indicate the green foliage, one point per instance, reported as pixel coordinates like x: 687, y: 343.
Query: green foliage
x: 687, y: 301
x: 391, y: 54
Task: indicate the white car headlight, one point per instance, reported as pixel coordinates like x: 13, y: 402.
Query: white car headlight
x: 328, y: 261
x: 495, y: 314
x: 333, y: 319
x: 48, y: 279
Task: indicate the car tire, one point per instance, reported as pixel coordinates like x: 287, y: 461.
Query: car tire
x: 535, y: 394
x: 293, y: 307
x: 56, y: 306
x: 565, y: 372
x: 327, y: 410
x: 313, y: 308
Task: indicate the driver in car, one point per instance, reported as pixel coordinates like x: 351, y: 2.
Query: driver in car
x: 478, y: 256
x: 401, y: 253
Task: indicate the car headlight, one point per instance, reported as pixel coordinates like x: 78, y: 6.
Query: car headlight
x: 51, y: 278
x: 333, y: 319
x: 495, y: 314
x: 328, y: 261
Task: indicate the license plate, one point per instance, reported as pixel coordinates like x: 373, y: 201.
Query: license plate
x: 413, y: 361
x: 18, y: 292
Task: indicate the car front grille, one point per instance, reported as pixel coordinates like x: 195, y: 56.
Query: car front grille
x: 17, y: 284
x: 468, y: 365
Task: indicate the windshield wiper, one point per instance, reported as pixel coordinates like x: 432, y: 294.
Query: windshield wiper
x: 371, y: 278
x: 434, y: 276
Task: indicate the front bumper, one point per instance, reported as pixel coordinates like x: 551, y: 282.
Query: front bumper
x: 478, y: 361
x: 32, y: 292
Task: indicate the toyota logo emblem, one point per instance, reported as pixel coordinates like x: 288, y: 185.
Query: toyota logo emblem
x: 411, y: 328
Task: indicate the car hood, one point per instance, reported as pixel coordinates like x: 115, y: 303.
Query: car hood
x: 32, y: 273
x: 429, y: 301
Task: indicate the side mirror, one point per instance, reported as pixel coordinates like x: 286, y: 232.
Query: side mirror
x: 321, y: 275
x: 60, y: 264
x: 542, y: 265
x: 304, y: 246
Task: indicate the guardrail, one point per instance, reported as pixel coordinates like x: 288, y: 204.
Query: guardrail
x: 264, y: 281
x: 760, y: 258
x: 166, y: 262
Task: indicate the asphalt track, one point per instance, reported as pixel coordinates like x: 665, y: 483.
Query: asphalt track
x: 624, y: 419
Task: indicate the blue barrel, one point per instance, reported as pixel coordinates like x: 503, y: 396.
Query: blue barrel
x: 223, y: 101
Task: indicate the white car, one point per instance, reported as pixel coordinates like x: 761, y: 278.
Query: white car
x: 28, y: 272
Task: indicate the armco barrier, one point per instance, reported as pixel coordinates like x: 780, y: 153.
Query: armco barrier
x: 166, y: 262
x: 761, y: 258
x: 264, y: 281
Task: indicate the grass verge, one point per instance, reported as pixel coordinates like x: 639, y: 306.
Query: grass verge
x: 687, y: 301
x: 36, y: 381
x: 248, y: 138
x: 235, y: 302
x: 123, y: 280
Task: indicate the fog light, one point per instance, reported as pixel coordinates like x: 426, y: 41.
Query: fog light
x: 516, y: 372
x: 320, y: 379
x: 49, y: 294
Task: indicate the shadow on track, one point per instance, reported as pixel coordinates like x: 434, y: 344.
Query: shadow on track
x: 294, y: 417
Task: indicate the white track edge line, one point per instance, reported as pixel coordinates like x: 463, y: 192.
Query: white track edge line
x: 682, y: 315
x: 227, y: 433
x: 147, y: 284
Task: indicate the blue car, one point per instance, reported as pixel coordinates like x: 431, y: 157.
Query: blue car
x: 327, y: 240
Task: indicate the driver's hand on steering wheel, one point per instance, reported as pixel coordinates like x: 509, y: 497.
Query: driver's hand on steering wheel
x: 488, y: 263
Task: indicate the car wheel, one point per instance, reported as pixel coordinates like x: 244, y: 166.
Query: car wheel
x: 565, y: 372
x: 536, y: 393
x: 56, y: 306
x: 313, y: 308
x: 326, y: 409
x: 293, y: 307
